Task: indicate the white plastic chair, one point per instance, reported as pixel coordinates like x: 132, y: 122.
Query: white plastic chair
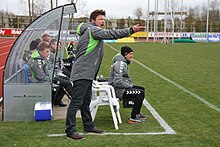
x: 106, y: 96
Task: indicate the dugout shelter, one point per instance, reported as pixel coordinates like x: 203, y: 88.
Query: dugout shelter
x: 19, y: 95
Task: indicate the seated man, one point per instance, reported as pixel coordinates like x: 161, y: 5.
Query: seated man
x: 70, y: 50
x: 46, y: 37
x: 60, y: 77
x: 27, y: 54
x: 122, y: 83
x: 69, y: 56
x: 59, y: 67
x: 37, y: 67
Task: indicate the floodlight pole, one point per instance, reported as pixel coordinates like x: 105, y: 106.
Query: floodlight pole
x: 155, y: 19
x: 207, y: 23
x: 172, y: 19
x: 181, y: 17
x: 148, y: 18
x: 165, y: 22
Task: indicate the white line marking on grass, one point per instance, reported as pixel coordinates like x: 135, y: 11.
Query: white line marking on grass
x: 158, y: 118
x: 112, y: 133
x: 168, y: 129
x: 175, y: 84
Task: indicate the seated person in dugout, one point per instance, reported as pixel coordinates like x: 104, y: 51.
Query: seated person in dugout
x: 69, y: 56
x: 60, y: 77
x: 123, y: 86
x: 59, y: 67
x: 46, y: 37
x: 37, y: 64
x: 27, y: 54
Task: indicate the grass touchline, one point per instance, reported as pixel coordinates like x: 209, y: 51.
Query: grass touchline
x: 175, y: 84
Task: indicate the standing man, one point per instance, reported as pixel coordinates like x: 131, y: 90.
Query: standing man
x: 89, y: 54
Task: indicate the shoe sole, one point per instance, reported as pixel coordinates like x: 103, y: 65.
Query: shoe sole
x: 69, y: 138
x: 133, y: 122
x: 143, y: 119
x: 93, y: 133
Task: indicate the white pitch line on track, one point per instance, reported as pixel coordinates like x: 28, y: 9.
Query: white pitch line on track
x: 3, y: 42
x: 6, y: 46
x: 2, y: 67
x: 175, y: 84
x: 4, y: 53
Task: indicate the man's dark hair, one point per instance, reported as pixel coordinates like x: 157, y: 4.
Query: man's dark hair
x: 96, y: 13
x: 38, y: 40
x: 43, y: 45
x: 52, y: 41
x: 33, y: 45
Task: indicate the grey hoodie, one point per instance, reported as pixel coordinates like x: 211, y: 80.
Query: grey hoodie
x: 119, y: 76
x: 89, y: 52
x: 37, y: 68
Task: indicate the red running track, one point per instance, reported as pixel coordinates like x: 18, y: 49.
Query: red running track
x: 5, y: 46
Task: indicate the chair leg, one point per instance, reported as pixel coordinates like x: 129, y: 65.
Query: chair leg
x: 94, y: 112
x: 114, y: 117
x: 116, y: 109
x: 119, y: 117
x: 93, y: 108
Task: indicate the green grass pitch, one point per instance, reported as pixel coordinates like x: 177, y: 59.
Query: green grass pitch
x: 196, y: 67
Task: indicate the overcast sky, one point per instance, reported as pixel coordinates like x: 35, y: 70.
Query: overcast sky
x: 114, y: 8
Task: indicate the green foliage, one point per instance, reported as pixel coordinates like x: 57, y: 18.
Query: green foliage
x: 194, y: 66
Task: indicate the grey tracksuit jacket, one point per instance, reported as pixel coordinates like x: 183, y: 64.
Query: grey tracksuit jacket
x: 89, y: 52
x: 37, y: 68
x: 119, y: 76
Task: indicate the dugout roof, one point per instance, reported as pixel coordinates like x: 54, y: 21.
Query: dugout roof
x: 55, y: 21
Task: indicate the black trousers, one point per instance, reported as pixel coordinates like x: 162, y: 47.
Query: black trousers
x: 64, y: 82
x: 81, y: 98
x: 136, y: 92
x: 57, y: 95
x: 66, y: 72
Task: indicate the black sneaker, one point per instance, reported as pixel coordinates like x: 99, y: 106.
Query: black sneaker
x: 94, y: 130
x: 135, y: 120
x: 141, y: 116
x: 75, y: 136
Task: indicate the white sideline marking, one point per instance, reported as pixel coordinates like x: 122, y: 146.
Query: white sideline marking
x: 168, y: 129
x: 175, y: 84
x: 158, y: 118
x: 112, y: 133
